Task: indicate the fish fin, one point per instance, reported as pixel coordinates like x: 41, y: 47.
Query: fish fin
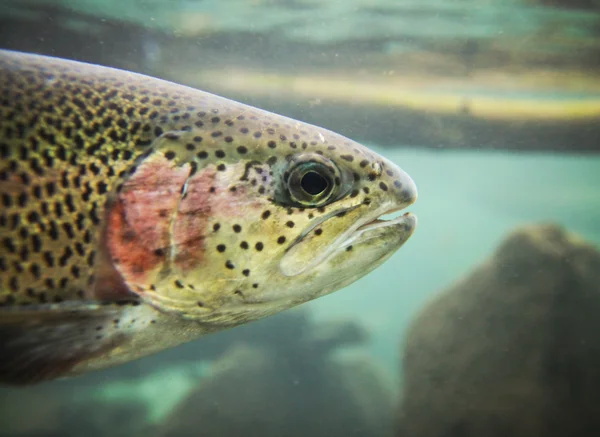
x: 43, y: 342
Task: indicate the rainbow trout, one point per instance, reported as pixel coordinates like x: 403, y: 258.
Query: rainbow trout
x: 138, y: 214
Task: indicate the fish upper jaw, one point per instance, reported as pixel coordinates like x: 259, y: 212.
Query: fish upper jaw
x: 373, y: 225
x: 393, y: 203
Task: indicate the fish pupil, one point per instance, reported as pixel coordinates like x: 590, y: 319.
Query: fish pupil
x: 313, y: 183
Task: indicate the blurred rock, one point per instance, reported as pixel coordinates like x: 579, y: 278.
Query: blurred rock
x: 513, y: 349
x: 296, y: 389
x: 592, y: 5
x: 19, y: 407
x: 50, y: 410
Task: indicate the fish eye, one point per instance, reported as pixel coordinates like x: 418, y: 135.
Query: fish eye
x: 311, y: 183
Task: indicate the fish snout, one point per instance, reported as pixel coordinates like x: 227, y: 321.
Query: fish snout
x: 396, y: 184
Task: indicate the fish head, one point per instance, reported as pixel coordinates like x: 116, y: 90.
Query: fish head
x: 341, y: 191
x: 242, y: 228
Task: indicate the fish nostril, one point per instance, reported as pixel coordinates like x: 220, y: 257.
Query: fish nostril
x: 404, y: 189
x: 409, y: 194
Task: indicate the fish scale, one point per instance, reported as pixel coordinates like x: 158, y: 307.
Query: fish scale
x: 129, y: 198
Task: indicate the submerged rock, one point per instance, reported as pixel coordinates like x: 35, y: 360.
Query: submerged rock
x: 513, y: 349
x: 296, y: 388
x: 592, y: 5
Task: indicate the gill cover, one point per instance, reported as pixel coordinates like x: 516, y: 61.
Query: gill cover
x: 156, y: 220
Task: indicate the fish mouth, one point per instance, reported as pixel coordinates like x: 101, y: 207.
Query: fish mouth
x: 306, y: 253
x: 383, y: 221
x: 380, y: 221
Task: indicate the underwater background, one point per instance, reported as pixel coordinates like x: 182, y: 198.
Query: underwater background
x: 484, y: 324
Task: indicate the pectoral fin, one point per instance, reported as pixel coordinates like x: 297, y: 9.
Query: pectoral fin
x: 44, y: 342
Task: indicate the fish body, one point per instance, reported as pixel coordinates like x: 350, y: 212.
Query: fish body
x: 138, y: 214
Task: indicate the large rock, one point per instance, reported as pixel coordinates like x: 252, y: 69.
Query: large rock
x: 513, y: 349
